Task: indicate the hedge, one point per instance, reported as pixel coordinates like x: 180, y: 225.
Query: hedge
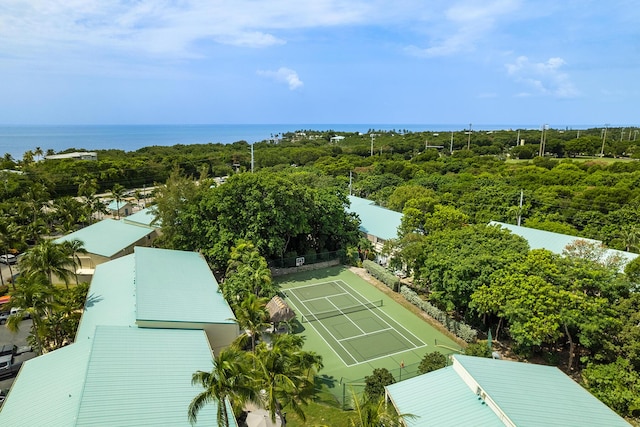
x: 382, y: 274
x: 462, y: 330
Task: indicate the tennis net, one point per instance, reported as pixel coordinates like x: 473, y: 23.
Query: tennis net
x: 310, y: 317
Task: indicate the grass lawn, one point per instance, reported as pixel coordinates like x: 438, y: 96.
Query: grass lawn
x: 319, y: 414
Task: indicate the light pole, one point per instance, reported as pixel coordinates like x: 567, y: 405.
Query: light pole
x: 373, y: 138
x: 604, y: 138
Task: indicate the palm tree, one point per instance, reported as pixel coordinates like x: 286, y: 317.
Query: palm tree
x: 375, y: 413
x: 252, y: 317
x: 630, y: 237
x: 285, y: 374
x: 73, y: 248
x: 33, y: 296
x: 117, y: 192
x: 226, y: 385
x: 248, y: 273
x: 38, y: 152
x: 50, y: 259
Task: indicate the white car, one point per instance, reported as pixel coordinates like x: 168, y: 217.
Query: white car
x: 8, y: 259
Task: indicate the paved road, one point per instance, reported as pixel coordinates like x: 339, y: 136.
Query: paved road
x: 19, y: 339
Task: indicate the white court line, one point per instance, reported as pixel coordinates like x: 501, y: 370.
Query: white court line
x: 344, y: 315
x: 364, y: 334
x: 314, y: 284
x: 325, y: 297
x: 378, y: 316
x: 329, y: 332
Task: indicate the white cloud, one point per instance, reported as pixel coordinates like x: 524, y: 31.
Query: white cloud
x: 283, y: 75
x: 465, y: 24
x: 545, y: 78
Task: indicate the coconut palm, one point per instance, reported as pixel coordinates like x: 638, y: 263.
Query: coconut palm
x: 226, y: 385
x: 285, y: 374
x: 33, y: 296
x: 630, y: 237
x: 247, y: 273
x: 375, y: 413
x: 252, y: 317
x: 73, y: 248
x: 50, y: 259
x: 117, y: 192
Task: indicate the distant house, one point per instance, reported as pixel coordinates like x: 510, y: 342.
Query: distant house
x: 477, y: 391
x: 378, y: 224
x: 110, y: 239
x: 152, y: 319
x: 120, y: 209
x: 79, y: 155
x: 557, y: 242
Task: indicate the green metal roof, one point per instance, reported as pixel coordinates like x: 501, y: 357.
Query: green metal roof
x: 440, y: 398
x: 375, y: 220
x: 142, y: 217
x: 177, y: 286
x: 556, y: 242
x: 142, y: 377
x: 108, y: 237
x: 111, y: 299
x: 535, y: 395
x: 48, y: 388
x: 524, y: 394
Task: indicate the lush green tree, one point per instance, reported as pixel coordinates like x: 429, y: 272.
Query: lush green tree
x: 73, y: 248
x: 229, y: 382
x: 451, y: 264
x: 376, y: 382
x: 431, y: 362
x: 616, y: 384
x: 247, y: 274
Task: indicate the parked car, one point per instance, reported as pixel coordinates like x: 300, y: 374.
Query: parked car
x: 17, y: 310
x: 8, y: 259
x: 4, y: 316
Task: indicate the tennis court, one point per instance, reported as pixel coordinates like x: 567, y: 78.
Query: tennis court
x: 357, y: 329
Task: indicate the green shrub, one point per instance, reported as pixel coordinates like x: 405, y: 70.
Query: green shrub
x: 462, y: 330
x: 431, y: 362
x: 479, y: 349
x: 382, y: 274
x: 375, y: 383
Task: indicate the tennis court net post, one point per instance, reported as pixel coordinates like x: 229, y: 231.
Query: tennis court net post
x: 310, y: 317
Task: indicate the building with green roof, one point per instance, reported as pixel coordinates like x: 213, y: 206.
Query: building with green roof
x: 131, y: 363
x: 110, y: 239
x: 557, y: 242
x: 477, y: 391
x: 378, y: 224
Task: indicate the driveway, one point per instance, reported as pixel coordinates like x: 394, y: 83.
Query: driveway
x: 19, y: 339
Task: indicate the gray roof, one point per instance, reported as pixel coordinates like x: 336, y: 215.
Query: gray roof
x: 108, y: 237
x: 520, y: 394
x: 177, y: 286
x: 375, y: 220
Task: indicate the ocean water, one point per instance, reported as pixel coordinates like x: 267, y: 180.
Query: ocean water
x: 17, y: 139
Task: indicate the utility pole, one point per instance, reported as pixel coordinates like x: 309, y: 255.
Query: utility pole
x: 604, y: 138
x: 251, y: 158
x: 350, y: 181
x: 373, y: 138
x: 520, y: 207
x: 451, y: 144
x: 541, y: 153
x: 469, y: 139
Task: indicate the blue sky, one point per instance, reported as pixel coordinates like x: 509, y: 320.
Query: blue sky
x: 320, y: 61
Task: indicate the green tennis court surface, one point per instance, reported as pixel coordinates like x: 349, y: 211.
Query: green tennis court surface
x: 357, y: 329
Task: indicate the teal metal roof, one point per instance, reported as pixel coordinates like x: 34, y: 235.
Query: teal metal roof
x: 142, y: 377
x: 375, y: 220
x: 48, y: 388
x: 108, y: 237
x: 535, y: 395
x: 142, y: 217
x: 440, y: 398
x: 556, y: 242
x: 111, y: 298
x: 177, y: 286
x: 524, y: 395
